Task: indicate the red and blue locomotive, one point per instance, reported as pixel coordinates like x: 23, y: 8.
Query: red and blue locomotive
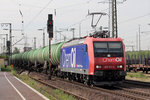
x: 92, y: 60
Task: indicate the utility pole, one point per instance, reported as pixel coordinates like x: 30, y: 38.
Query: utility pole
x: 113, y: 3
x: 6, y: 49
x: 132, y: 47
x: 4, y: 45
x: 61, y: 35
x: 139, y: 37
x: 1, y: 47
x: 10, y: 39
x: 43, y: 38
x: 22, y: 21
x: 72, y: 29
x: 137, y: 41
x: 10, y: 35
x: 6, y: 37
x: 114, y: 19
x: 62, y: 30
x: 34, y: 42
x: 25, y: 41
x: 109, y: 15
x: 43, y: 35
x: 55, y: 33
x: 79, y: 30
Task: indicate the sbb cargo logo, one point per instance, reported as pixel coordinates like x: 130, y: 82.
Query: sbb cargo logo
x: 69, y: 59
x: 112, y: 60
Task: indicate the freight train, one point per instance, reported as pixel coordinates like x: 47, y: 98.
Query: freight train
x: 138, y: 61
x: 98, y: 61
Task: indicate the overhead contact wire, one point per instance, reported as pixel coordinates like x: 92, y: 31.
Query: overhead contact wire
x: 38, y: 13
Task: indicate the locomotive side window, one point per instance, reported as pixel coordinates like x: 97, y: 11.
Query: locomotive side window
x: 102, y: 49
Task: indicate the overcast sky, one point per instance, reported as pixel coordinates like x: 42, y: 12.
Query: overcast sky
x: 69, y: 14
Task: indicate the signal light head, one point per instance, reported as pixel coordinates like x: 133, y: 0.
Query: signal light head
x: 50, y: 17
x: 50, y: 25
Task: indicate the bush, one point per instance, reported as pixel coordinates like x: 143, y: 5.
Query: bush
x: 6, y: 69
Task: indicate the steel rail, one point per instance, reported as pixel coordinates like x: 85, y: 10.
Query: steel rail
x: 128, y: 96
x: 55, y: 87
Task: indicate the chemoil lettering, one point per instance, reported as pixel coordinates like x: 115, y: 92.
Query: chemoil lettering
x: 112, y: 60
x: 118, y: 60
x: 69, y: 59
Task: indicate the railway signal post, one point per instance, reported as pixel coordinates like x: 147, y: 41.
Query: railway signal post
x: 50, y: 32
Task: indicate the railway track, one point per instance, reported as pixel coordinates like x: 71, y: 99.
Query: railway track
x: 127, y: 96
x: 55, y: 87
x: 132, y: 94
x: 145, y: 84
x: 144, y: 95
x: 119, y: 92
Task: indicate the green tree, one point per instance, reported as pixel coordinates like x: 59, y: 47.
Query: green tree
x: 16, y: 50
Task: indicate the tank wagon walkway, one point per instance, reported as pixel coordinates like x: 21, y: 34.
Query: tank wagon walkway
x: 13, y: 89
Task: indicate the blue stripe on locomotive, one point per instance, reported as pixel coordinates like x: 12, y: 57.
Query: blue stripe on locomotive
x: 75, y: 59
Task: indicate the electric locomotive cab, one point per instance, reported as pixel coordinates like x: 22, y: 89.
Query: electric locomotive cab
x: 109, y: 62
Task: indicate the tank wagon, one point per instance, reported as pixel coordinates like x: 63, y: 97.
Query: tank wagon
x: 90, y: 60
x: 38, y: 59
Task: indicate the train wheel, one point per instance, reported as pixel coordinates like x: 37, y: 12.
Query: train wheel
x: 135, y: 70
x: 147, y: 71
x: 128, y: 69
x: 143, y: 70
x: 86, y: 80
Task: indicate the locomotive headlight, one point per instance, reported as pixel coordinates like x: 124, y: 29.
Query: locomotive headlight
x: 119, y: 66
x: 98, y: 66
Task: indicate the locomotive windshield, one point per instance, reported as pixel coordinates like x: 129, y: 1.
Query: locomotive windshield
x: 115, y: 47
x: 102, y: 49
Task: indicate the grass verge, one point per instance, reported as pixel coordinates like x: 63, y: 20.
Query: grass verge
x: 45, y: 90
x: 139, y: 76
